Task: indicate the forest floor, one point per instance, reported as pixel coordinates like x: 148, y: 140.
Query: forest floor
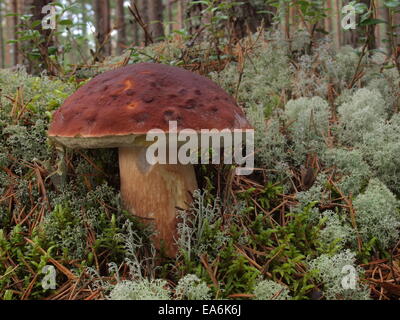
x: 322, y: 205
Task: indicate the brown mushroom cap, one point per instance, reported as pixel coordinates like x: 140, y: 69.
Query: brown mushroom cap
x: 116, y: 107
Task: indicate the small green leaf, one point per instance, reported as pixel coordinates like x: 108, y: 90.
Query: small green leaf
x: 65, y: 22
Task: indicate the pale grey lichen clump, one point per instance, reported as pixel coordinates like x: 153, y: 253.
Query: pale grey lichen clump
x: 315, y: 194
x: 388, y: 85
x: 27, y: 144
x: 73, y: 210
x: 341, y: 66
x: 271, y: 290
x: 349, y: 163
x: 42, y: 94
x: 307, y: 83
x: 308, y: 126
x: 316, y: 72
x: 337, y: 231
x: 367, y: 148
x: 264, y: 77
x: 363, y: 143
x: 378, y: 214
x: 381, y: 149
x: 190, y: 287
x: 331, y: 270
x: 143, y: 289
x: 269, y: 140
x: 258, y: 90
x: 194, y: 237
x: 360, y: 114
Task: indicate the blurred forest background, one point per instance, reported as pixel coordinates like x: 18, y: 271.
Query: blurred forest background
x: 89, y: 30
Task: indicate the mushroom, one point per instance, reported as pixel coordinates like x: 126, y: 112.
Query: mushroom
x: 118, y: 108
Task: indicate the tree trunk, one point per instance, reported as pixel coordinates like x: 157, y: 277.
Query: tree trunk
x: 84, y: 20
x: 194, y: 17
x: 383, y: 30
x: 396, y: 23
x: 135, y: 33
x: 170, y: 16
x: 181, y: 13
x: 15, y: 31
x: 245, y: 19
x: 337, y: 9
x: 143, y: 9
x: 370, y: 29
x: 121, y: 42
x: 2, y: 51
x: 284, y: 20
x: 103, y: 26
x: 348, y: 37
x: 35, y: 7
x: 134, y: 26
x: 156, y: 27
x: 9, y: 35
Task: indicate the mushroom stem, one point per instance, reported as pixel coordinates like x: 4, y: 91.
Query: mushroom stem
x: 153, y: 192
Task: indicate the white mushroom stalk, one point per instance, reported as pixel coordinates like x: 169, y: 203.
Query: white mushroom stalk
x: 154, y: 192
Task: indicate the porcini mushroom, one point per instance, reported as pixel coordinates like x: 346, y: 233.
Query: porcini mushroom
x: 118, y: 108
